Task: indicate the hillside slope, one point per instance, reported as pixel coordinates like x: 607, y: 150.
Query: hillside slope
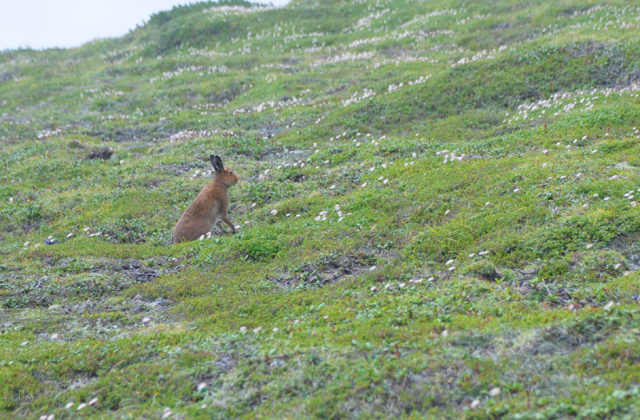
x: 437, y: 202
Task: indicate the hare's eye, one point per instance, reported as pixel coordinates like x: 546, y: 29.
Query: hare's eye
x: 230, y: 172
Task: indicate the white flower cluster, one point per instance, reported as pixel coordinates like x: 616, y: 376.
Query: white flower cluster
x: 171, y: 74
x: 188, y: 135
x: 563, y: 102
x: 354, y: 99
x: 221, y: 11
x: 349, y: 56
x: 44, y: 134
x: 423, y: 18
x: 322, y: 216
x: 450, y: 157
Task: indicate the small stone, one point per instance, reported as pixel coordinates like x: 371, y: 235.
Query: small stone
x: 203, y: 406
x: 373, y: 288
x: 69, y: 405
x: 138, y: 298
x: 474, y: 403
x: 51, y: 417
x: 445, y: 333
x: 608, y: 306
x: 401, y: 285
x: 55, y: 336
x: 243, y: 329
x: 373, y: 268
x: 274, y: 212
x: 202, y: 385
x: 589, y: 246
x: 81, y: 406
x: 93, y: 401
x: 146, y: 320
x: 494, y: 392
x: 166, y: 414
x: 276, y: 329
x: 449, y: 262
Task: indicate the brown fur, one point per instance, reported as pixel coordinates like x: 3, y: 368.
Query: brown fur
x: 209, y: 208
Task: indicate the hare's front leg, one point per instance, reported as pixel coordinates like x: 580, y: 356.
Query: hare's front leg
x: 220, y: 228
x: 225, y: 219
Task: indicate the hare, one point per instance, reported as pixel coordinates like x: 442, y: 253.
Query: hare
x: 209, y: 208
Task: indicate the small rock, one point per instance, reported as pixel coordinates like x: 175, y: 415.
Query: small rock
x: 93, y: 401
x: 608, y: 306
x: 494, y: 392
x: 146, y: 320
x: 55, y: 307
x: 160, y: 302
x: 474, y: 403
x: 69, y: 405
x: 81, y: 406
x: 202, y: 385
x: 138, y: 298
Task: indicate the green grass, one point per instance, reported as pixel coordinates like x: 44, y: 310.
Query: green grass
x: 394, y: 279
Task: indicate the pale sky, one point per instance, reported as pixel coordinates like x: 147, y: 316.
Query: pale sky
x: 70, y: 23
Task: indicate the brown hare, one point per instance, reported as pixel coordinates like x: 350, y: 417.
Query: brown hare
x: 209, y: 208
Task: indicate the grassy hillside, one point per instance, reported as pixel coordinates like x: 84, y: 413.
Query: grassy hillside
x: 437, y: 201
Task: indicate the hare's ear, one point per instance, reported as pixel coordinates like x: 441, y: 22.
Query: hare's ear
x: 216, y: 162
